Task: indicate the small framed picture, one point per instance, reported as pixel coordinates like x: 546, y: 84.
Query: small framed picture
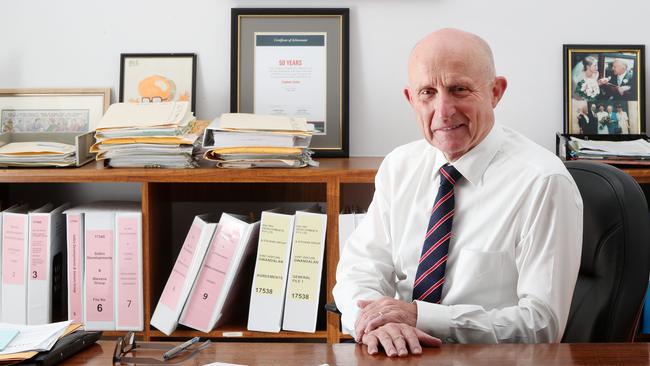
x: 604, y: 89
x: 158, y: 77
x: 52, y: 110
x: 294, y: 62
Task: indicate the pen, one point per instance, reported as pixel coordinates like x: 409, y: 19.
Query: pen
x: 181, y: 347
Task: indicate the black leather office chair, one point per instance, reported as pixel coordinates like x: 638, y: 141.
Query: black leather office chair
x: 615, y: 262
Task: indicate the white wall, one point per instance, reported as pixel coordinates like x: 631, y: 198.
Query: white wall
x: 77, y: 43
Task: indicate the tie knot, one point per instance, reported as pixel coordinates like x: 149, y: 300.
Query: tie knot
x: 449, y: 175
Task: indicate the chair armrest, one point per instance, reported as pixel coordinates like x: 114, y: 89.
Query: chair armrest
x: 332, y: 307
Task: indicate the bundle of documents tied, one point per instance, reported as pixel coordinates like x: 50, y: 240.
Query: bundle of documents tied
x: 156, y: 135
x: 243, y: 140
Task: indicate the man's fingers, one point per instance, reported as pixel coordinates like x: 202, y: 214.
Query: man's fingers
x: 363, y: 303
x: 361, y: 324
x: 363, y: 317
x: 371, y: 341
x: 412, y: 340
x: 378, y: 321
x: 398, y: 339
x: 359, y: 330
x: 427, y: 340
x: 387, y: 342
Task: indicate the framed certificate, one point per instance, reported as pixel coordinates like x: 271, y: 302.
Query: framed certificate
x: 294, y: 62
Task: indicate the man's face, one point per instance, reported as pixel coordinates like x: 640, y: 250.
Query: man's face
x: 453, y: 102
x: 618, y: 68
x: 609, y: 109
x: 593, y: 107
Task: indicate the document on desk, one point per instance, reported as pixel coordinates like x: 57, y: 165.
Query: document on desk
x: 34, y: 337
x: 634, y: 148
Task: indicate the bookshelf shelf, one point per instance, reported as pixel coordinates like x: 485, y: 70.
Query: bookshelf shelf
x: 161, y: 191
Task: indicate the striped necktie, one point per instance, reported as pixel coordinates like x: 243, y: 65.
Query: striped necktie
x: 430, y: 274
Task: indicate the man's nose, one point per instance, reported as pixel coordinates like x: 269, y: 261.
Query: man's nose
x: 445, y: 105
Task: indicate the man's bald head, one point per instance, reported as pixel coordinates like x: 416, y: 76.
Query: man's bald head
x: 454, y: 45
x: 453, y: 90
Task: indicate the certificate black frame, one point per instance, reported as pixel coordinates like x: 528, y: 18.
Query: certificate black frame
x: 601, y: 52
x: 125, y: 56
x: 340, y: 149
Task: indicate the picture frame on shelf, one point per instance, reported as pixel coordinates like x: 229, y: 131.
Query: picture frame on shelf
x: 294, y: 62
x: 604, y: 90
x: 52, y: 109
x: 158, y: 77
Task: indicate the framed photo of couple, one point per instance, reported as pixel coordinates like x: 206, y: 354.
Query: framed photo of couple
x: 604, y: 89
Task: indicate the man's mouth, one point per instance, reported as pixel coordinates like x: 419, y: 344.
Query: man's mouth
x: 449, y: 128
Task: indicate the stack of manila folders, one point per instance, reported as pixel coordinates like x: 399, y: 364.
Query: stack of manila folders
x: 150, y: 135
x: 22, y: 342
x: 242, y: 140
x: 37, y: 154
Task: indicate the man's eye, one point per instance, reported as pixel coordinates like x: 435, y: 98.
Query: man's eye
x: 460, y: 90
x: 427, y: 92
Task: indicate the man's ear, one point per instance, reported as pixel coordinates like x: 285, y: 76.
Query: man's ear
x: 498, y: 89
x: 407, y: 94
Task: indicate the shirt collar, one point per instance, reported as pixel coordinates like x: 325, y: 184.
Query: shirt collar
x: 473, y: 164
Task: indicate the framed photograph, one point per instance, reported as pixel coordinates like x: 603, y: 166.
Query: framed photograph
x: 604, y: 89
x: 52, y: 110
x: 294, y: 62
x: 158, y: 77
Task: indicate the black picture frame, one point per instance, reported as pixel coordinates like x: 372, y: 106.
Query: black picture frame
x: 334, y: 140
x: 154, y: 64
x: 604, y: 90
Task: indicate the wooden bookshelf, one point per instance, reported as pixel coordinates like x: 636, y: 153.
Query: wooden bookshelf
x: 329, y: 183
x: 162, y: 189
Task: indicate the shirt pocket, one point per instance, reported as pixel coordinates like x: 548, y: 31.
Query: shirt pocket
x: 486, y: 278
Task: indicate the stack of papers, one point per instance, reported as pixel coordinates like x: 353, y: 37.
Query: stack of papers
x: 37, y: 154
x: 159, y: 135
x: 591, y: 149
x: 32, y: 339
x: 242, y: 140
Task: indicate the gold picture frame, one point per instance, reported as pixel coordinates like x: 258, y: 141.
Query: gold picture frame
x: 604, y: 90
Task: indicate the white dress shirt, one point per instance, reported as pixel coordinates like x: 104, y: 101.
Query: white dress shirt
x: 515, y: 249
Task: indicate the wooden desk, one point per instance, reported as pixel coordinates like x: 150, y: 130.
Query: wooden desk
x: 288, y: 354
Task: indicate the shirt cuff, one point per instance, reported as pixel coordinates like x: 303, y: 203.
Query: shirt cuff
x: 434, y: 319
x: 348, y: 319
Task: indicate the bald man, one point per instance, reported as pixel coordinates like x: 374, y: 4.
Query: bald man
x: 474, y: 233
x: 620, y: 82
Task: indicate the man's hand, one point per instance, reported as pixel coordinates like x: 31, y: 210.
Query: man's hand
x: 623, y: 89
x: 394, y: 338
x: 375, y: 313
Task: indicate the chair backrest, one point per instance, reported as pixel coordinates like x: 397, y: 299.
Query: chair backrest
x: 615, y: 261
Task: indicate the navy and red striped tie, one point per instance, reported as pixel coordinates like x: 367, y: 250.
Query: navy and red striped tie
x: 430, y: 275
